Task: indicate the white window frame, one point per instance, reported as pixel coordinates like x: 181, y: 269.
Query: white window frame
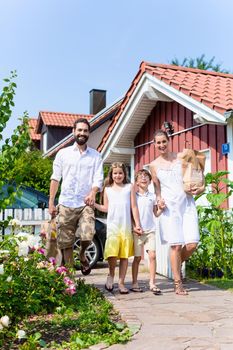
x: 45, y: 141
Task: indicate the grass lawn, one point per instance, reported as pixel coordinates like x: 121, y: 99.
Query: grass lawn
x: 222, y: 283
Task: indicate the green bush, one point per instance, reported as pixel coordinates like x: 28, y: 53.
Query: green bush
x: 214, y: 256
x: 42, y: 305
x: 29, y: 283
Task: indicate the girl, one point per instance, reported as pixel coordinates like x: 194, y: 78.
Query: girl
x: 179, y: 221
x: 119, y: 201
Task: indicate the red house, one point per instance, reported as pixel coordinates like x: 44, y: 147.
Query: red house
x: 198, y: 104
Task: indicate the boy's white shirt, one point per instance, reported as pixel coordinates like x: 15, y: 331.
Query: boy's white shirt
x: 146, y: 202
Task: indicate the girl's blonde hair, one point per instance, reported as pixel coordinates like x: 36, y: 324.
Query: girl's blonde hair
x: 109, y: 180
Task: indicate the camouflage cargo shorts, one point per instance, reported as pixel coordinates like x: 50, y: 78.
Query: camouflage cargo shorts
x: 71, y: 219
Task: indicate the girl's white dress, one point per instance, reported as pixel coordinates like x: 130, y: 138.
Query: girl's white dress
x: 119, y: 241
x: 179, y: 221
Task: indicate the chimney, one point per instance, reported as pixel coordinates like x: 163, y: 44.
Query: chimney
x: 97, y: 100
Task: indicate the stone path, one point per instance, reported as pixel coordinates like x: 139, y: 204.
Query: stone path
x: 203, y: 320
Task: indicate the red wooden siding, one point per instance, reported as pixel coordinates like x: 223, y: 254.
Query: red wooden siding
x: 208, y: 136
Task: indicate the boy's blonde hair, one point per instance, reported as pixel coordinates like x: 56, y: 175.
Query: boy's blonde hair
x: 140, y: 172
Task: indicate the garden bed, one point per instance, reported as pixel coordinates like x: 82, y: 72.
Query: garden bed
x: 44, y: 306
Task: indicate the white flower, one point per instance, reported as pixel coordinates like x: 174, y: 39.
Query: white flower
x: 21, y: 334
x: 15, y: 222
x: 4, y: 320
x: 9, y: 279
x: 33, y: 241
x: 23, y: 249
x: 1, y: 269
x: 1, y: 327
x: 21, y: 234
x: 4, y: 251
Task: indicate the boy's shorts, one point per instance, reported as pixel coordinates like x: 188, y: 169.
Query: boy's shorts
x: 147, y: 239
x: 71, y: 219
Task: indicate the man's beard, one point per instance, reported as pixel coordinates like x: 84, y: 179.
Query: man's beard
x: 81, y: 140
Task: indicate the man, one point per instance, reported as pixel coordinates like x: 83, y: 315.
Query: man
x: 81, y: 170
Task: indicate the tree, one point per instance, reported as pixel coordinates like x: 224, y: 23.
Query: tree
x: 14, y: 146
x: 34, y: 170
x: 200, y: 63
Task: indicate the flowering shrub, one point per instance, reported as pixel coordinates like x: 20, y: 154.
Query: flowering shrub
x: 41, y: 306
x: 29, y: 283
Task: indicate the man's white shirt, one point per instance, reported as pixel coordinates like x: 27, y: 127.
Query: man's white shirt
x: 80, y: 172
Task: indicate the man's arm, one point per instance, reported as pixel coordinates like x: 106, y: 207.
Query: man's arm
x: 98, y: 177
x: 90, y: 198
x: 52, y: 194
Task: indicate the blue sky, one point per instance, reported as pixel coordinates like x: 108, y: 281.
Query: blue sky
x: 62, y: 49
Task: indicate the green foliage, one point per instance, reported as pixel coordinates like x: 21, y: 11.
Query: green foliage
x: 29, y: 283
x: 33, y: 170
x: 200, y: 63
x: 222, y: 283
x: 14, y: 146
x: 214, y: 256
x: 45, y: 303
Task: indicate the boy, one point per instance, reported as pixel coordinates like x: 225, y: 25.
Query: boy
x: 147, y: 209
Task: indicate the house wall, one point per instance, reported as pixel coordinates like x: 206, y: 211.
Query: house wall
x: 97, y: 134
x: 55, y: 134
x: 206, y: 137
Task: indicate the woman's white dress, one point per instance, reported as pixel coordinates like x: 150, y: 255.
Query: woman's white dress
x: 179, y: 221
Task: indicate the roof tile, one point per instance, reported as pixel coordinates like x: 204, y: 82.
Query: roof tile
x: 32, y: 129
x: 62, y: 119
x: 213, y: 89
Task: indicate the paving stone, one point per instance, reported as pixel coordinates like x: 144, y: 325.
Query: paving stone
x: 203, y: 320
x: 224, y: 332
x: 201, y: 316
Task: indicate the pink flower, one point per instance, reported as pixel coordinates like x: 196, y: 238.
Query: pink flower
x: 61, y: 269
x: 68, y: 281
x: 41, y: 251
x: 71, y: 290
x: 52, y: 260
x: 43, y: 234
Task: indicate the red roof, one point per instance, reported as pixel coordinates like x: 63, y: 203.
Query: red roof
x: 215, y: 90
x: 95, y: 122
x: 60, y: 119
x: 32, y: 127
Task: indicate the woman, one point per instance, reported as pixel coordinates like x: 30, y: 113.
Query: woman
x: 179, y: 221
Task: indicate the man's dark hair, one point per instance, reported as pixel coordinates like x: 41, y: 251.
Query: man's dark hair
x: 82, y: 120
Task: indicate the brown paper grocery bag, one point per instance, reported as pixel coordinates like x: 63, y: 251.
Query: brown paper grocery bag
x: 193, y: 165
x: 49, y: 228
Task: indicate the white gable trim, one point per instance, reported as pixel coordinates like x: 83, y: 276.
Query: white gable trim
x: 206, y: 113
x: 157, y: 90
x: 134, y: 100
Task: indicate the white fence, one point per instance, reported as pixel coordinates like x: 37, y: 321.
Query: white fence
x: 27, y: 217
x: 34, y: 218
x: 162, y: 256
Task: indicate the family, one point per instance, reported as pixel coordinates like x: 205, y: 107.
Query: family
x: 129, y: 207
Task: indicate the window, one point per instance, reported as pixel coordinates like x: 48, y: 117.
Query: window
x: 45, y: 141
